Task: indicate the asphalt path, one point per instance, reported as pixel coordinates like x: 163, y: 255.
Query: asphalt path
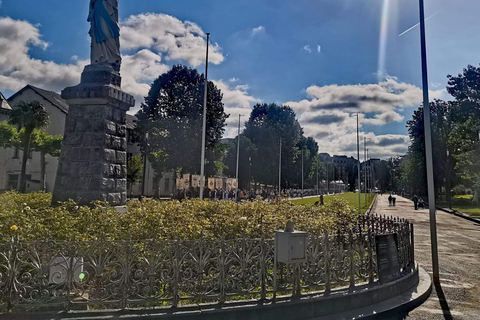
x: 458, y: 297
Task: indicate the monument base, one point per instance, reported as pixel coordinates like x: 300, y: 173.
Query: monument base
x: 93, y: 161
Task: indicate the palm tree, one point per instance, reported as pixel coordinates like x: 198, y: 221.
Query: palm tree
x: 29, y: 115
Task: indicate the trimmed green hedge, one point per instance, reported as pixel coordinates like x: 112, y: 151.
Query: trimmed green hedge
x: 31, y: 217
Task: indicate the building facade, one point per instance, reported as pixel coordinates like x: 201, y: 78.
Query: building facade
x: 57, y: 108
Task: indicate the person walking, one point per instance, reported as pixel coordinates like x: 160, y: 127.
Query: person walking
x: 321, y: 200
x: 390, y: 200
x: 415, y: 202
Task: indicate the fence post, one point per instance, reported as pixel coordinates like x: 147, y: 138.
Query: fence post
x: 412, y: 247
x: 13, y: 264
x: 326, y: 253
x: 275, y: 271
x: 70, y: 273
x: 222, y: 270
x: 125, y: 259
x: 352, y: 263
x: 176, y: 273
x: 263, y: 266
x: 370, y: 253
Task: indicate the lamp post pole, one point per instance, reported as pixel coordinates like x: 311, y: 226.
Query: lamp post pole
x: 428, y: 148
x: 204, y: 132
x: 238, y: 156
x: 358, y: 168
x: 144, y: 183
x: 365, y: 167
x: 280, y: 168
x: 302, y: 172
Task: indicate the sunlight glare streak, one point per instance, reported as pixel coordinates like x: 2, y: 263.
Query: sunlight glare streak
x: 382, y: 50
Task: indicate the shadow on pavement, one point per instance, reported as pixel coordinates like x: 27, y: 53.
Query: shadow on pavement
x: 443, y: 302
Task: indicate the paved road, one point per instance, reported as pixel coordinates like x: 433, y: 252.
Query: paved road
x: 459, y: 260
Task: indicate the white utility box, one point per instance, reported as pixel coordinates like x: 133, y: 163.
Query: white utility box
x: 291, y: 247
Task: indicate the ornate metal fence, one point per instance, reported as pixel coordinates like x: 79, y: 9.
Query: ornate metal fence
x: 152, y: 273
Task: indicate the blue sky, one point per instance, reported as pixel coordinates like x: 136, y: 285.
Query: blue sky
x: 314, y: 55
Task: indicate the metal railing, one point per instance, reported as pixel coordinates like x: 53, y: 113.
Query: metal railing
x: 154, y: 273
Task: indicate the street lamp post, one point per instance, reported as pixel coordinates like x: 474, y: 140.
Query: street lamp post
x: 302, y: 172
x: 280, y: 168
x: 204, y: 132
x: 238, y: 156
x: 428, y: 147
x: 358, y: 167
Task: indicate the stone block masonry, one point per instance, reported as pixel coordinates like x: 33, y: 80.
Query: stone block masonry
x: 93, y: 161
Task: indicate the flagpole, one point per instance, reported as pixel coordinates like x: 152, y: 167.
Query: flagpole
x: 204, y: 131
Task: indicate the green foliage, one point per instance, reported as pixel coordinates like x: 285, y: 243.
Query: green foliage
x: 45, y: 143
x: 134, y: 168
x: 8, y: 135
x: 173, y: 114
x: 33, y: 218
x: 31, y: 116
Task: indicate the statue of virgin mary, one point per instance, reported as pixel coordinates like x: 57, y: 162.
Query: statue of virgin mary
x: 105, y: 33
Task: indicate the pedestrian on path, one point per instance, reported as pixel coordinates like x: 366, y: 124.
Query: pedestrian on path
x: 415, y: 202
x: 394, y: 199
x: 321, y: 200
x: 390, y: 200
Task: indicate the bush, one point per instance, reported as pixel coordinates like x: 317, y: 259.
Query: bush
x: 31, y: 217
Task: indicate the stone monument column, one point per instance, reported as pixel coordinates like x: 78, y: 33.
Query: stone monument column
x: 93, y: 160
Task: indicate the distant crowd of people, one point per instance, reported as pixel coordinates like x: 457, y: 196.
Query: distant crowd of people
x: 243, y: 194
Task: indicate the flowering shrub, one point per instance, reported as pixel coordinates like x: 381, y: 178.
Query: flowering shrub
x: 31, y: 217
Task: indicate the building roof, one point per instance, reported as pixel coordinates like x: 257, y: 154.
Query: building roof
x: 4, y: 103
x: 131, y: 121
x: 52, y: 97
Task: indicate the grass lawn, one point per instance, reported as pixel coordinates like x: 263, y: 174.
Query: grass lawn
x: 463, y: 196
x: 351, y: 197
x: 471, y: 211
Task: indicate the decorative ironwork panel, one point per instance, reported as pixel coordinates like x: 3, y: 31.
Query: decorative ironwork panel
x: 130, y: 274
x: 105, y: 268
x: 243, y: 265
x: 41, y: 273
x: 313, y: 272
x: 199, y: 270
x: 151, y: 273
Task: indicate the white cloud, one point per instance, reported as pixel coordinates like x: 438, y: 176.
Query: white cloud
x: 319, y: 48
x: 164, y: 33
x: 326, y: 115
x: 148, y: 39
x: 234, y: 79
x: 307, y: 49
x: 257, y: 31
x: 237, y: 101
x: 17, y: 68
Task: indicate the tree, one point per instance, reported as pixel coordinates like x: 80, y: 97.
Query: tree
x: 45, y: 144
x: 247, y: 152
x: 134, y: 169
x: 8, y: 135
x: 40, y: 142
x: 266, y: 125
x: 28, y: 115
x: 465, y: 133
x: 172, y: 115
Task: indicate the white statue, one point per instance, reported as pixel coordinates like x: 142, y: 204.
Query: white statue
x: 105, y: 32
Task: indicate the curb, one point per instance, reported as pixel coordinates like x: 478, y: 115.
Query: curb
x: 459, y: 214
x: 392, y: 308
x: 454, y: 212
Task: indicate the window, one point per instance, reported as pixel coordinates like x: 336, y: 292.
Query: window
x: 13, y: 181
